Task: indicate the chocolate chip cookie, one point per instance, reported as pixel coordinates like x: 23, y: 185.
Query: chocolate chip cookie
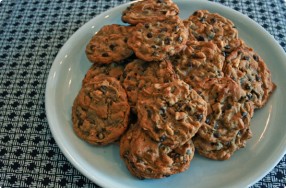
x: 228, y: 115
x: 170, y: 113
x: 100, y: 111
x: 146, y: 158
x: 113, y: 70
x: 156, y: 41
x: 149, y: 10
x: 222, y: 150
x: 206, y: 26
x: 249, y: 70
x: 109, y: 44
x: 138, y: 74
x: 198, y: 61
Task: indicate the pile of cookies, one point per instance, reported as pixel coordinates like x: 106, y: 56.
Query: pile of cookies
x: 165, y: 87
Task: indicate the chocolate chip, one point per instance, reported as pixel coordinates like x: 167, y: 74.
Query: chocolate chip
x: 200, y: 38
x: 244, y: 114
x: 105, y: 55
x: 202, y: 19
x: 176, y: 28
x: 245, y: 58
x: 156, y: 129
x: 92, y: 47
x: 149, y: 35
x: 154, y: 46
x: 164, y: 12
x: 242, y: 99
x: 125, y: 155
x: 177, y: 155
x: 256, y: 58
x: 196, y: 13
x: 249, y: 96
x: 211, y: 35
x: 164, y: 29
x: 213, y: 144
x: 155, y: 54
x: 208, y: 120
x: 199, y: 117
x: 159, y: 1
x: 216, y: 135
x: 133, y: 165
x: 132, y: 117
x: 111, y: 47
x: 225, y: 54
x: 162, y: 112
x: 103, y: 89
x: 213, y: 20
x: 216, y: 125
x: 257, y: 78
x: 80, y: 123
x: 180, y: 39
x: 227, y: 47
x: 247, y: 87
x: 179, y: 105
x: 188, y: 109
x: 163, y: 138
x: 146, y: 26
x: 149, y: 113
x: 167, y: 41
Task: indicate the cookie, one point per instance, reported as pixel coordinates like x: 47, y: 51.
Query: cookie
x: 109, y: 45
x: 249, y: 70
x: 149, y: 10
x: 231, y: 46
x: 222, y: 150
x: 206, y: 26
x: 228, y: 115
x: 138, y: 74
x: 100, y: 111
x: 171, y: 113
x: 114, y: 29
x: 113, y: 70
x: 146, y: 158
x: 198, y: 61
x: 156, y: 41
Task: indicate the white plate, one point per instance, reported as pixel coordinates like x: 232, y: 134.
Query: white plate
x: 103, y: 164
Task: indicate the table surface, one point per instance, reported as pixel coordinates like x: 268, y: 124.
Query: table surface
x: 31, y: 34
